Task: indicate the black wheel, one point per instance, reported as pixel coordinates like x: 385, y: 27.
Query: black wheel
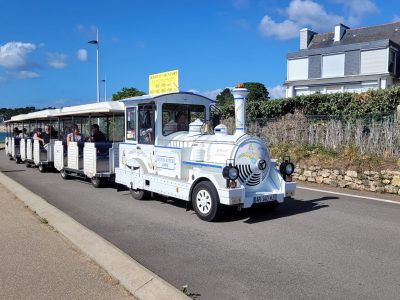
x: 64, y: 174
x: 28, y: 165
x: 18, y: 160
x: 140, y: 194
x: 97, y: 182
x: 205, y: 201
x: 42, y: 168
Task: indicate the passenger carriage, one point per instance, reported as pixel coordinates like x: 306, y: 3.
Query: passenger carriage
x: 39, y: 154
x: 14, y: 141
x: 93, y: 160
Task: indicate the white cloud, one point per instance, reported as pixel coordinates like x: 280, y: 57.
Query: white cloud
x: 82, y: 54
x: 10, y: 75
x: 277, y: 92
x: 24, y: 74
x: 13, y: 55
x: 358, y: 9
x: 212, y: 94
x: 283, y: 31
x: 57, y: 60
x: 308, y: 13
x: 396, y: 18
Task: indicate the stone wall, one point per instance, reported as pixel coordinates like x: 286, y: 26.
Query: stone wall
x: 384, y: 181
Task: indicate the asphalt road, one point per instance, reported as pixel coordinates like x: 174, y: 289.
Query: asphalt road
x: 317, y: 246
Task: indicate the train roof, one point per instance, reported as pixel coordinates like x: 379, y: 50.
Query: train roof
x: 100, y: 108
x: 37, y: 115
x: 148, y: 98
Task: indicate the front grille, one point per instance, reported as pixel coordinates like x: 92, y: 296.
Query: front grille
x: 247, y: 176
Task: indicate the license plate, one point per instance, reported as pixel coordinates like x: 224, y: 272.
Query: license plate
x: 264, y: 198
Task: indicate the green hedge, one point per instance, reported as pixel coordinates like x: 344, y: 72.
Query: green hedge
x: 346, y: 105
x: 342, y: 105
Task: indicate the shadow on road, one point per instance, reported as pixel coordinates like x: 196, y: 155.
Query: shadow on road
x: 260, y: 213
x: 13, y: 171
x: 289, y: 208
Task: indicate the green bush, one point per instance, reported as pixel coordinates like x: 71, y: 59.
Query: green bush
x: 342, y: 105
x: 345, y: 105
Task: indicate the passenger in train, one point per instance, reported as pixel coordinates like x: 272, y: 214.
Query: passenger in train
x: 23, y: 134
x: 39, y: 136
x: 97, y: 135
x: 182, y: 120
x: 74, y: 136
x: 49, y: 133
x: 16, y: 132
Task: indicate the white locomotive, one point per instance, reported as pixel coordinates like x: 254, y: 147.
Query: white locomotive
x: 166, y: 151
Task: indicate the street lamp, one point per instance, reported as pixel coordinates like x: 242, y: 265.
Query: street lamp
x: 105, y: 88
x: 96, y: 42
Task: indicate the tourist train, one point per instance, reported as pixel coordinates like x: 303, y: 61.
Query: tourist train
x: 156, y: 144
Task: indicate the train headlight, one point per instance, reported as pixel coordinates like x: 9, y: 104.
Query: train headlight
x: 231, y: 173
x: 286, y: 168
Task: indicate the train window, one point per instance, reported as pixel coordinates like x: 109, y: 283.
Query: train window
x: 177, y: 117
x: 131, y: 123
x: 146, y: 123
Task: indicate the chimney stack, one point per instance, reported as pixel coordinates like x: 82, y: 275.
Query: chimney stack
x: 340, y: 30
x: 240, y: 96
x: 306, y: 36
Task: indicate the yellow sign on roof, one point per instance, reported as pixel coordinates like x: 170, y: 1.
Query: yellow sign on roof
x: 162, y: 83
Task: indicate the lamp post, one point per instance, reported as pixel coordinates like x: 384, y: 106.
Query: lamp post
x: 105, y: 88
x: 96, y: 42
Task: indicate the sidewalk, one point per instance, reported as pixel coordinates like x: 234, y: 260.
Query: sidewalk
x: 38, y: 263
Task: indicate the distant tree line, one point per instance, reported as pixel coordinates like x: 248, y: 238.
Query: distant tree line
x: 7, y: 113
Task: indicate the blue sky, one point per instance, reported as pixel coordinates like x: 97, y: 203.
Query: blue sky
x: 45, y: 59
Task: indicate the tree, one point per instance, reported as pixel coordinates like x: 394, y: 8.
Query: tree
x: 258, y: 94
x: 127, y: 93
x: 225, y: 105
x: 256, y: 99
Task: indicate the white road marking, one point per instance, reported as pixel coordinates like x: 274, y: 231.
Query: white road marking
x: 348, y: 195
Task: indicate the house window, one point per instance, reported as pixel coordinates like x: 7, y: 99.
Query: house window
x: 374, y: 61
x: 333, y: 65
x: 392, y: 61
x: 297, y: 69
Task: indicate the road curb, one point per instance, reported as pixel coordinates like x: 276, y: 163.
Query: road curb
x: 138, y: 280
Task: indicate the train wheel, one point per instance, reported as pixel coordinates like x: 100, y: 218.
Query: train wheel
x: 97, y: 182
x: 140, y: 194
x: 64, y: 174
x: 42, y: 168
x: 205, y: 201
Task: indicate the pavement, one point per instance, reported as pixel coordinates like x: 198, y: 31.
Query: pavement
x: 320, y: 245
x: 38, y: 263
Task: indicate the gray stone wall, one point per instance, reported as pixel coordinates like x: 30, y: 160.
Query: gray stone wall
x: 384, y: 181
